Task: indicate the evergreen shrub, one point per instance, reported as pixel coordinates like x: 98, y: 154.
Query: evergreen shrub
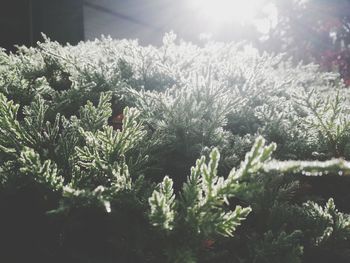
x: 115, y: 152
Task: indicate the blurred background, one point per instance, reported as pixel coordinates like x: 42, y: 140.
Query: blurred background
x: 308, y: 30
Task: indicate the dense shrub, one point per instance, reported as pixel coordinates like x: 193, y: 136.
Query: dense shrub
x: 203, y: 168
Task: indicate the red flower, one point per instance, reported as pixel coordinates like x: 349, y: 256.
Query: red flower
x: 347, y: 82
x: 208, y: 243
x: 117, y: 121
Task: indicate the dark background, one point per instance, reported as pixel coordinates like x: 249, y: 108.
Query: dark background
x: 22, y: 21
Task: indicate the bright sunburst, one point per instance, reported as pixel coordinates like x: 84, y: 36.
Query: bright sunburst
x: 227, y: 10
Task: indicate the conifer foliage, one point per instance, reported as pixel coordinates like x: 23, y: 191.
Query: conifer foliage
x: 222, y: 154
